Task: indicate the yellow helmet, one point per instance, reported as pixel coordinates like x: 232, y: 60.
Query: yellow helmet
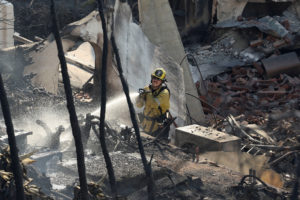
x: 159, y: 73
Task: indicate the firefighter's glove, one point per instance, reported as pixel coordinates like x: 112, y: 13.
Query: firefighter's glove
x: 142, y: 93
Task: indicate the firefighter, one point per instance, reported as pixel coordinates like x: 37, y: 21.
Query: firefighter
x: 156, y: 101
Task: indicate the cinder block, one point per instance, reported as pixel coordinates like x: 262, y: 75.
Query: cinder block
x: 207, y: 139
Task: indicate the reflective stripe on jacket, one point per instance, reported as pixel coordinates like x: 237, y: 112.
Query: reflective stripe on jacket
x: 155, y: 103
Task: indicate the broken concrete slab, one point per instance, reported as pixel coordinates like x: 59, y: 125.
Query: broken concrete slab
x: 88, y: 28
x: 251, y: 55
x: 78, y: 77
x: 43, y: 156
x: 21, y: 139
x: 81, y: 64
x: 207, y: 139
x: 45, y: 65
x: 265, y: 24
x: 223, y: 55
x: 292, y: 19
x: 243, y: 162
x: 84, y: 54
x: 230, y: 9
x: 158, y: 24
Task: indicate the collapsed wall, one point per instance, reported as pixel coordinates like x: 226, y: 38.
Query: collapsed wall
x: 138, y: 57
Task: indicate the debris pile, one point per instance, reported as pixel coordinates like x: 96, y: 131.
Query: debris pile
x: 24, y: 97
x: 245, y: 91
x: 249, y: 189
x: 95, y: 192
x: 7, y: 180
x: 251, y: 86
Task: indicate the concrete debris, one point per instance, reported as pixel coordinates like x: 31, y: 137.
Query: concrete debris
x: 245, y: 45
x: 21, y: 139
x: 251, y: 55
x: 214, y: 61
x: 45, y: 65
x: 228, y: 9
x: 265, y: 24
x: 251, y: 105
x: 205, y: 139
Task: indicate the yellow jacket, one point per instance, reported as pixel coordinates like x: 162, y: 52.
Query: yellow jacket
x: 155, y: 103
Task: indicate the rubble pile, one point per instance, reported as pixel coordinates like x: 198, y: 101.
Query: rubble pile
x: 264, y: 112
x: 249, y: 189
x: 251, y: 87
x: 24, y: 97
x: 7, y: 180
x: 243, y: 91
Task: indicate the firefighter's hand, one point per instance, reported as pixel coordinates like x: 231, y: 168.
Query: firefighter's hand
x: 142, y: 93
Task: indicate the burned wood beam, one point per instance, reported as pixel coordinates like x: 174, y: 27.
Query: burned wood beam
x: 282, y: 157
x: 19, y: 38
x: 109, y: 165
x: 147, y: 166
x: 15, y: 162
x: 82, y: 66
x: 231, y: 120
x: 71, y: 108
x: 28, y: 46
x: 38, y: 39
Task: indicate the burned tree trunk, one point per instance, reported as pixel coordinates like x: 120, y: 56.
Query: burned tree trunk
x: 109, y: 166
x: 16, y: 167
x: 147, y: 166
x: 71, y: 108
